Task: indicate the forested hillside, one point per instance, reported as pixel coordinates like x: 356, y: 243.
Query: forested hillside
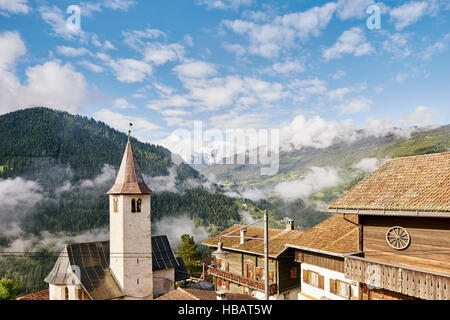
x: 55, y: 170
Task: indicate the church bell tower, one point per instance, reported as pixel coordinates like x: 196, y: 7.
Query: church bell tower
x: 130, y: 229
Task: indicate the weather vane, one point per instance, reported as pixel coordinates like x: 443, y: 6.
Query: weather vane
x: 129, y: 130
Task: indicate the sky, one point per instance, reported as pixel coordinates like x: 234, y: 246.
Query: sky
x: 313, y: 69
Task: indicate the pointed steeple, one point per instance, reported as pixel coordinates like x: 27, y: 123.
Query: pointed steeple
x: 129, y: 179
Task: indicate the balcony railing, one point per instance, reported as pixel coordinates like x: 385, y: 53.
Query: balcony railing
x: 408, y: 281
x: 240, y: 280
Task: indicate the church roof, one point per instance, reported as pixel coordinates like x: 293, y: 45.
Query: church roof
x: 95, y: 275
x: 129, y: 179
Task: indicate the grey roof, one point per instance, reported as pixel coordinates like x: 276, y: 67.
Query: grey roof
x: 162, y: 254
x: 93, y: 261
x: 181, y: 271
x: 95, y: 276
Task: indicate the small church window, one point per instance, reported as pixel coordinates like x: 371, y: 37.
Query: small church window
x: 66, y: 293
x: 139, y: 204
x: 133, y: 205
x: 115, y: 205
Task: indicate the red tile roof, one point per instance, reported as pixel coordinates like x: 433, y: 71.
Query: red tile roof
x: 190, y: 294
x: 417, y: 184
x: 38, y: 295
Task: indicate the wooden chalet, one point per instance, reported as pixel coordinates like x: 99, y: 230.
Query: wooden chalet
x: 320, y: 252
x: 403, y: 213
x: 242, y: 270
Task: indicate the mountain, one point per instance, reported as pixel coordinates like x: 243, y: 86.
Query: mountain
x: 294, y: 164
x: 71, y: 161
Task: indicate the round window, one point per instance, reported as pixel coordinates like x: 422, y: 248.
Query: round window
x: 398, y: 238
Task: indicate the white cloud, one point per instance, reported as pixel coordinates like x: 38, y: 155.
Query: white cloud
x: 315, y: 132
x: 355, y: 105
x: 408, y: 13
x: 51, y: 84
x: 397, y: 44
x: 269, y: 39
x: 351, y: 41
x: 141, y: 127
x: 71, y: 52
x: 368, y: 164
x: 285, y: 68
x: 421, y: 116
x: 107, y: 175
x: 158, y: 53
x: 353, y: 8
x: 195, y: 69
x: 91, y: 66
x: 15, y: 6
x: 438, y: 47
x: 56, y: 18
x: 122, y: 103
x: 130, y: 70
x: 225, y: 4
x: 123, y: 5
x: 317, y: 178
x: 339, y: 74
x: 175, y: 227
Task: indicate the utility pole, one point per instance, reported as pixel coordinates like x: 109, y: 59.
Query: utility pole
x: 266, y: 254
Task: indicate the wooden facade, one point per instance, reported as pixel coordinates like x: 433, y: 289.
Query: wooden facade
x: 321, y: 260
x: 247, y: 270
x: 410, y: 282
x: 421, y: 270
x: 429, y: 248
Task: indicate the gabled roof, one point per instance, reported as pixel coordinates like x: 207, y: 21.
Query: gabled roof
x: 418, y: 185
x: 181, y: 271
x: 277, y: 240
x: 191, y: 294
x: 162, y: 254
x: 96, y: 277
x: 337, y: 234
x: 129, y: 179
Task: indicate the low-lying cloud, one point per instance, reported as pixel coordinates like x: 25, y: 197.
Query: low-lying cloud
x: 318, y: 178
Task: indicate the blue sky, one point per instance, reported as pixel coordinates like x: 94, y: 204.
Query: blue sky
x: 311, y: 68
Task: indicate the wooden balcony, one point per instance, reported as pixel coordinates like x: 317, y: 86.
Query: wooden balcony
x: 409, y: 281
x: 243, y: 281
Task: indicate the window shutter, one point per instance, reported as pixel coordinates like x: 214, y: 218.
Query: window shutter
x: 305, y: 276
x: 271, y: 275
x: 227, y: 266
x: 219, y: 282
x: 227, y: 285
x: 321, y: 282
x: 332, y: 286
x: 299, y: 256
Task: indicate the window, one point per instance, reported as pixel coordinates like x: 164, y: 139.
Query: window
x: 66, y: 293
x: 259, y: 273
x: 115, y: 205
x: 249, y: 270
x: 133, y: 205
x: 313, y: 278
x: 139, y: 204
x: 340, y: 288
x: 294, y: 273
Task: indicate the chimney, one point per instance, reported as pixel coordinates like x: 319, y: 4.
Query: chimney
x: 242, y: 235
x: 221, y: 295
x: 290, y: 225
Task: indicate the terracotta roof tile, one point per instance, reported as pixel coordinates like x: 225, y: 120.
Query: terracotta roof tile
x: 277, y: 240
x: 38, y: 295
x: 335, y: 234
x: 418, y: 183
x: 191, y: 294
